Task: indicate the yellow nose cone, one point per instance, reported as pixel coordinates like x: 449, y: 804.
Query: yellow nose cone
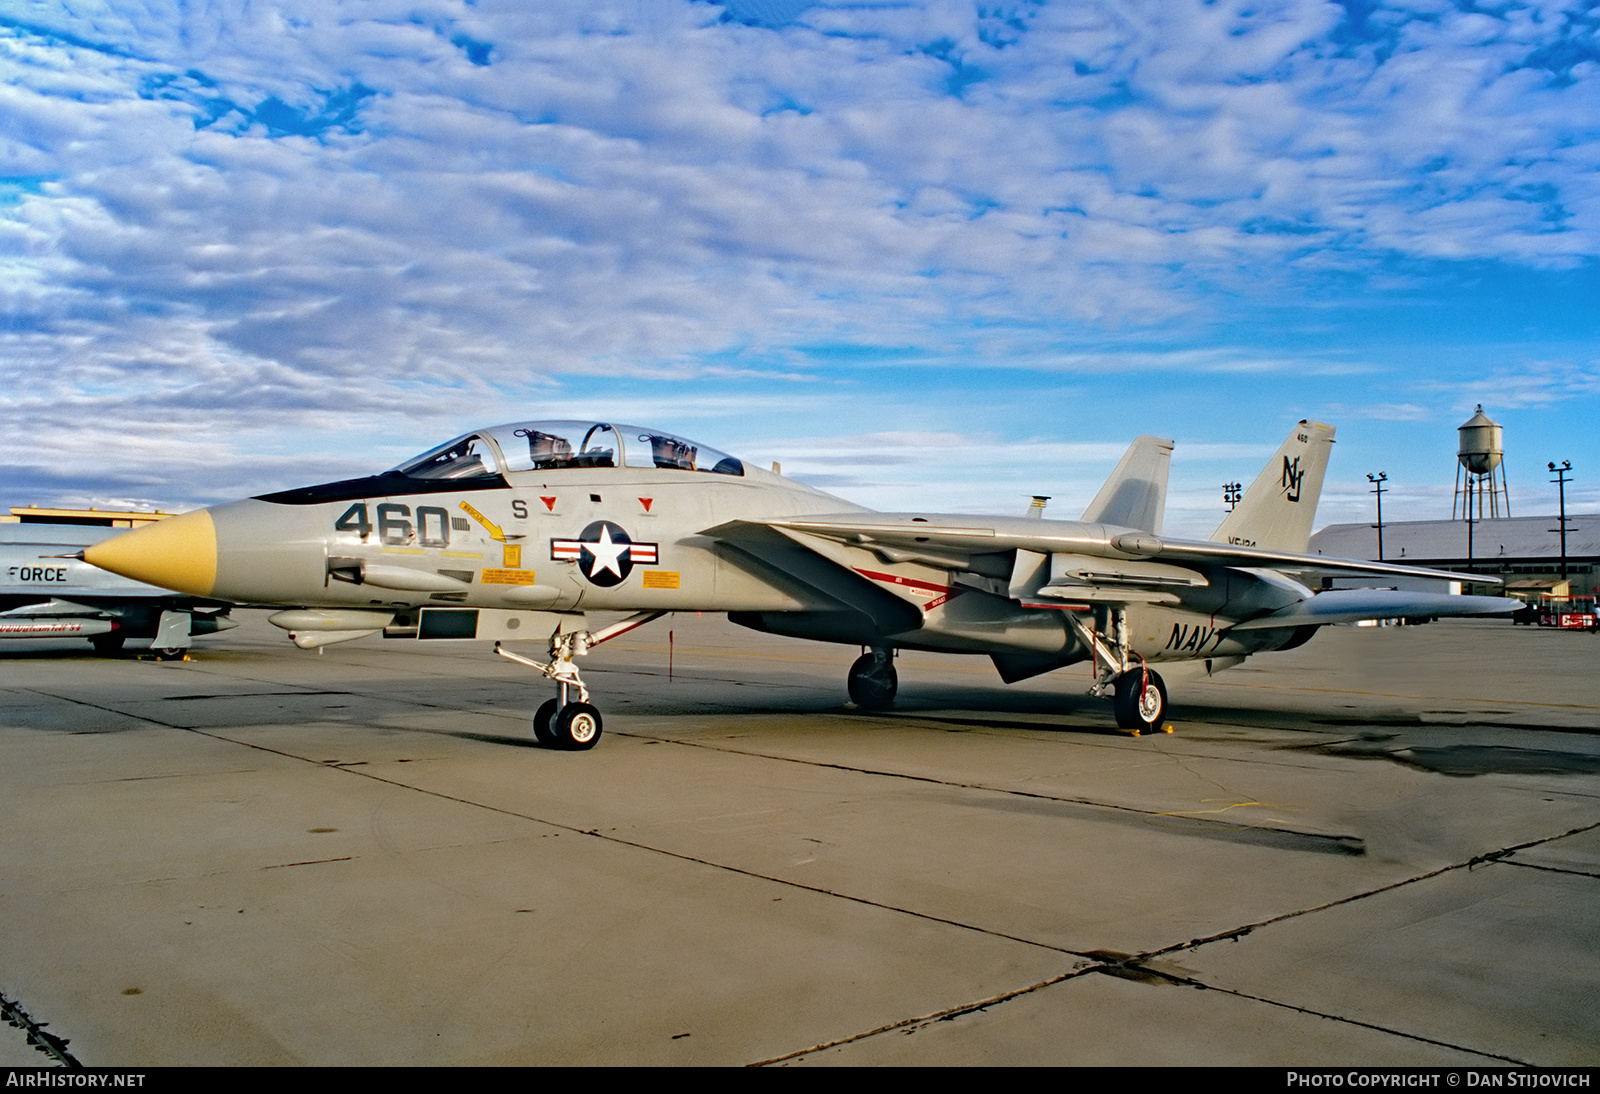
x: 177, y: 553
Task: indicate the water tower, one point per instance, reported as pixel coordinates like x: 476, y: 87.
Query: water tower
x: 1480, y: 471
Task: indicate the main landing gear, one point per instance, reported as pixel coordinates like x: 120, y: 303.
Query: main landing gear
x: 1138, y: 694
x: 873, y: 681
x: 561, y: 722
x: 1139, y: 699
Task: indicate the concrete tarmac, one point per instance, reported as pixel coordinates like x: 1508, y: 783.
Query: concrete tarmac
x: 1382, y: 848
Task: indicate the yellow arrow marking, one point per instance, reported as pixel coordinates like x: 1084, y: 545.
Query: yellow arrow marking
x: 494, y: 529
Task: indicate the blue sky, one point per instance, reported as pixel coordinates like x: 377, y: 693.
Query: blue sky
x: 937, y: 255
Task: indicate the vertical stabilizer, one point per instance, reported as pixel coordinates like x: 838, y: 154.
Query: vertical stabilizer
x: 1278, y: 509
x: 1135, y: 496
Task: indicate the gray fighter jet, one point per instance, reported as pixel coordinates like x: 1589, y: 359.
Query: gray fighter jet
x: 46, y: 592
x: 519, y: 530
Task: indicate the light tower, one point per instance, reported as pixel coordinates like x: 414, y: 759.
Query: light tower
x: 1561, y: 474
x: 1377, y: 482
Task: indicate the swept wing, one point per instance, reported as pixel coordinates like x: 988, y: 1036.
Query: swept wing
x: 908, y: 537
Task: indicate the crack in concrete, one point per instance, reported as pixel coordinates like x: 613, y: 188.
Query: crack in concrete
x: 1193, y: 983
x: 1553, y: 869
x: 238, y: 695
x: 1101, y: 961
x: 1345, y: 844
x: 308, y: 862
x: 1136, y: 967
x: 1476, y: 860
x: 47, y: 1043
x: 637, y: 845
x: 946, y: 1015
x: 1122, y: 965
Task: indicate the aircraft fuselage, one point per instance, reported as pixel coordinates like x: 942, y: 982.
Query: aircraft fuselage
x: 519, y: 531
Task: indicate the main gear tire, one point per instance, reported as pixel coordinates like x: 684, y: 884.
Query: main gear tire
x: 1140, y: 700
x: 873, y: 682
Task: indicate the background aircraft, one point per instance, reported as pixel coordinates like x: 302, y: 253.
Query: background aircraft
x: 45, y: 592
x: 518, y: 530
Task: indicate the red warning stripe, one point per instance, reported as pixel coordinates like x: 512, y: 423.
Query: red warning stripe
x: 908, y: 582
x: 941, y: 593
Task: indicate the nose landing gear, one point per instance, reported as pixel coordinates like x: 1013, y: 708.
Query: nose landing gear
x: 560, y: 722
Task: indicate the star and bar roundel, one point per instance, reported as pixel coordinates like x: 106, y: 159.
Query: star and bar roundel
x: 604, y: 553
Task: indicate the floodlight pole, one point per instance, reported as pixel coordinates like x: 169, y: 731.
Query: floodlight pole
x: 1377, y: 482
x: 1561, y: 474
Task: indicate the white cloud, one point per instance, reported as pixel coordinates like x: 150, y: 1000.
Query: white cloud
x: 251, y: 217
x: 1515, y: 387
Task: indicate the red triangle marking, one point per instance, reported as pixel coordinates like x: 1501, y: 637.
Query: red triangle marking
x: 646, y: 503
x: 549, y: 503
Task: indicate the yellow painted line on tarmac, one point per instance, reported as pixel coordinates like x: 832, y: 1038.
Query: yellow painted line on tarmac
x: 1208, y: 812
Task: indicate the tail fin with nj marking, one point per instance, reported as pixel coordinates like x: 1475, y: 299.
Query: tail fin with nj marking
x: 1135, y: 496
x: 1277, y: 511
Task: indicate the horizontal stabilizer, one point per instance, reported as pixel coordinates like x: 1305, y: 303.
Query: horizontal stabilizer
x: 1355, y: 605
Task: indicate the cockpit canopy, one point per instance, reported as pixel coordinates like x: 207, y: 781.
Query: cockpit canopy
x: 553, y: 446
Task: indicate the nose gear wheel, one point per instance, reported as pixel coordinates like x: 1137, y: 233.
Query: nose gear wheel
x: 560, y: 722
x: 576, y: 727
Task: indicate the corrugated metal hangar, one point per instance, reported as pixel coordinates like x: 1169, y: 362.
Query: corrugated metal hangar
x: 1524, y: 552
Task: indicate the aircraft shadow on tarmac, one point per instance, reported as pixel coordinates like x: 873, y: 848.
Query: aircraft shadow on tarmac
x: 1463, y: 760
x: 486, y: 738
x: 1259, y: 835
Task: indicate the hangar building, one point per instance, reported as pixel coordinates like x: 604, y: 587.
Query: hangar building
x: 1524, y: 552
